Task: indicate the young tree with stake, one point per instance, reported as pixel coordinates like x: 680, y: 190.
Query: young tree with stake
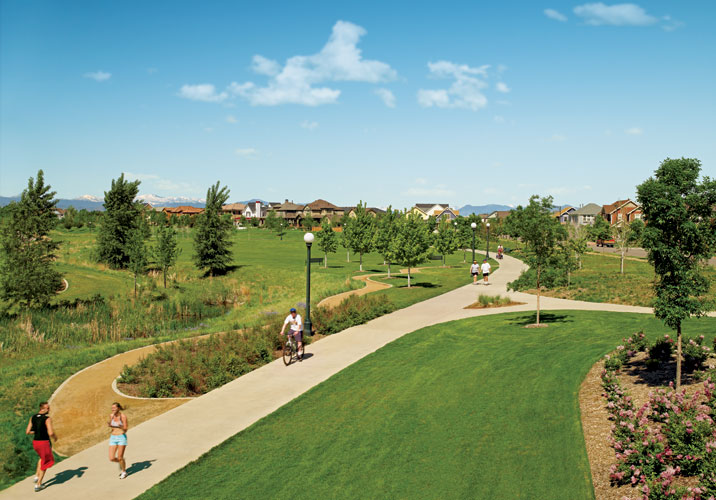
x: 326, y: 240
x: 386, y: 230
x: 411, y: 245
x: 679, y: 237
x: 166, y: 250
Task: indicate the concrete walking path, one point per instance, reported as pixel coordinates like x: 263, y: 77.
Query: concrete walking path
x: 169, y: 441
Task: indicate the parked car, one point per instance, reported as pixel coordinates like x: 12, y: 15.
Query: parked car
x: 605, y: 243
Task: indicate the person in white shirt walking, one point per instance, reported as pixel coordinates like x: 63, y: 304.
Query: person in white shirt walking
x: 485, y: 270
x: 474, y: 270
x: 296, y: 328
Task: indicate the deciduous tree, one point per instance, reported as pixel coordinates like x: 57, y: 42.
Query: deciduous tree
x: 137, y: 253
x: 326, y: 240
x: 166, y: 250
x: 362, y: 228
x: 28, y: 277
x: 411, y: 245
x: 386, y: 230
x: 446, y: 239
x: 679, y: 236
x: 541, y: 234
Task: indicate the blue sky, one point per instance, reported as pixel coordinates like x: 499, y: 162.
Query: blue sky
x: 391, y: 103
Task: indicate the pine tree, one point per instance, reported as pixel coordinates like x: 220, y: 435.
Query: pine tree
x: 361, y: 231
x: 679, y: 237
x: 386, y: 230
x: 445, y: 239
x: 411, y: 245
x: 212, y: 242
x: 326, y: 240
x: 27, y: 274
x: 121, y: 217
x: 166, y: 250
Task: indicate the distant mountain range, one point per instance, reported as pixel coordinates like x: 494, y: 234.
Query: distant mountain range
x: 89, y: 202
x: 483, y: 209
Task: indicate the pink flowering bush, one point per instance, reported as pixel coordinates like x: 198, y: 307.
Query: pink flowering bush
x: 695, y: 353
x: 672, y: 435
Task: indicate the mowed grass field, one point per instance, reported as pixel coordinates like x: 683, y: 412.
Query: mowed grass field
x: 599, y: 280
x: 480, y: 408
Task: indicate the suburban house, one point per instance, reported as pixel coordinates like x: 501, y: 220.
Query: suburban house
x: 372, y: 211
x: 59, y: 213
x: 447, y: 214
x: 497, y: 214
x: 585, y: 215
x: 425, y: 210
x: 621, y: 211
x: 235, y: 209
x: 321, y: 208
x: 290, y: 212
x: 182, y: 210
x: 563, y: 214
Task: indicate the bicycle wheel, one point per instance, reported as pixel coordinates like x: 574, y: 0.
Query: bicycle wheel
x: 300, y: 351
x: 287, y: 354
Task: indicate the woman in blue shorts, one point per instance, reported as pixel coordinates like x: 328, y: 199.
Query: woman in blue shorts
x: 118, y: 438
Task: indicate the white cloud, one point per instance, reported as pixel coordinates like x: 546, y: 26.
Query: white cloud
x: 558, y: 138
x: 140, y: 177
x: 231, y: 119
x: 669, y: 24
x: 499, y: 119
x: 624, y: 14
x: 465, y: 92
x: 553, y: 14
x: 502, y: 87
x: 246, y: 152
x: 308, y: 125
x: 208, y: 129
x: 98, y: 76
x: 501, y: 68
x: 422, y: 181
x: 387, y: 97
x: 339, y: 60
x: 204, y: 92
x: 634, y: 131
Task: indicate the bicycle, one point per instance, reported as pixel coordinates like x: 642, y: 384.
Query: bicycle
x: 290, y: 349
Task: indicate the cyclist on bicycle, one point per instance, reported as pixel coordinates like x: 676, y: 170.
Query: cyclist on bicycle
x: 296, y: 328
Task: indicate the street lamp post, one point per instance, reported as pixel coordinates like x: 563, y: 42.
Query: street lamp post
x: 487, y: 249
x: 308, y: 238
x: 474, y: 230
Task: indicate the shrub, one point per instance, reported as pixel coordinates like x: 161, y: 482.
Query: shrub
x: 695, y: 353
x: 637, y: 342
x: 662, y: 349
x: 354, y: 310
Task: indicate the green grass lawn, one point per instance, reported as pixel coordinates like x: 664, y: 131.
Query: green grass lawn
x: 480, y: 408
x: 599, y: 280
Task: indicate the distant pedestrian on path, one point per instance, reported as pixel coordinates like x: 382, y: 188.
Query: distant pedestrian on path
x: 474, y: 270
x: 40, y: 426
x: 118, y: 439
x: 485, y: 270
x: 296, y: 328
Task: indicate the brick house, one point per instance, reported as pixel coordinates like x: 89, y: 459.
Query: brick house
x: 621, y: 211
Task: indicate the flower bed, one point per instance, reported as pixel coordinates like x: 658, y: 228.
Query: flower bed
x: 666, y: 448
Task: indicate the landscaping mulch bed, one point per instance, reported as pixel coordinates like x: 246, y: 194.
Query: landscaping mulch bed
x: 596, y: 426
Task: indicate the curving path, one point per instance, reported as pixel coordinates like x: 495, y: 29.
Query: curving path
x: 161, y: 445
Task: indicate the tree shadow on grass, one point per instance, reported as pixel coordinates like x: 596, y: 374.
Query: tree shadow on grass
x: 544, y: 317
x: 224, y: 272
x: 65, y: 475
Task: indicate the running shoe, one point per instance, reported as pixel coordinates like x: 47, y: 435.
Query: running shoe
x: 123, y: 474
x: 34, y: 480
x: 38, y: 487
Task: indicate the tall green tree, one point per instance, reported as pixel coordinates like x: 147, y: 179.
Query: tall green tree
x: 445, y: 239
x: 362, y: 228
x: 212, y: 242
x: 137, y: 253
x: 347, y: 235
x: 121, y: 217
x: 166, y: 250
x: 464, y: 235
x: 542, y: 235
x: 272, y: 221
x: 308, y: 222
x: 679, y: 236
x: 326, y: 240
x: 411, y: 245
x: 600, y: 229
x: 385, y: 233
x: 28, y: 277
